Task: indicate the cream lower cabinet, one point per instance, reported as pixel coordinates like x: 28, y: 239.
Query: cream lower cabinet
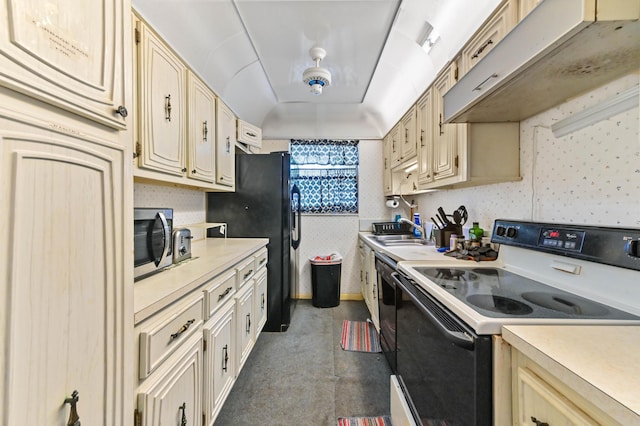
x: 369, y: 281
x: 65, y: 270
x: 173, y: 394
x: 191, y: 352
x: 219, y: 364
x: 260, y: 299
x: 539, y: 397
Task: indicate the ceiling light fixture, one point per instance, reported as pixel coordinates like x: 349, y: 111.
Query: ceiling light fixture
x: 315, y: 77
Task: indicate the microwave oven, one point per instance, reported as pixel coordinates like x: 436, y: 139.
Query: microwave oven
x: 152, y: 245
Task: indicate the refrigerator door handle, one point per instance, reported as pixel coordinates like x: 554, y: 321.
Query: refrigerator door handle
x: 296, y: 224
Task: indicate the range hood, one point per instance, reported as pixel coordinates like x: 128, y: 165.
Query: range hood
x: 561, y: 49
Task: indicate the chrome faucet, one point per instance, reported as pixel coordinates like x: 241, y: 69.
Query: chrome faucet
x: 418, y: 227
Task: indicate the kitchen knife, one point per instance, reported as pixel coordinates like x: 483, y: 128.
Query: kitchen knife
x: 443, y: 216
x: 435, y: 223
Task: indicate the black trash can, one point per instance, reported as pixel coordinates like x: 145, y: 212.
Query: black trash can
x: 325, y: 280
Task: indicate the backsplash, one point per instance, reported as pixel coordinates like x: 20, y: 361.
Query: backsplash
x: 590, y: 176
x: 188, y: 205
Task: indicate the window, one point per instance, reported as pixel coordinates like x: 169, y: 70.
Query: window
x: 326, y: 172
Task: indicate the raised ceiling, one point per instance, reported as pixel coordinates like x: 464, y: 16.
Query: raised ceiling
x: 253, y: 53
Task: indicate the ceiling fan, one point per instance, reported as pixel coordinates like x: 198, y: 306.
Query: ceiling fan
x: 316, y: 77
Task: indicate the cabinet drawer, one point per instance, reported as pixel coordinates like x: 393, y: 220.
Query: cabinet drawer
x: 249, y: 134
x: 219, y: 291
x: 261, y: 257
x: 245, y: 271
x: 494, y: 30
x: 163, y: 336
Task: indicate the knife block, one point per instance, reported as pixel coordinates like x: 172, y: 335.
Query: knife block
x: 443, y: 236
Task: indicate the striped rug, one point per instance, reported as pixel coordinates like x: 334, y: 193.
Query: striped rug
x: 359, y: 336
x: 364, y: 421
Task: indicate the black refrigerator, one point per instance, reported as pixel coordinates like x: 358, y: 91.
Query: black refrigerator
x: 265, y: 205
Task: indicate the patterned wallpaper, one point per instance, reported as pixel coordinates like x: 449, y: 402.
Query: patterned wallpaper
x: 591, y: 176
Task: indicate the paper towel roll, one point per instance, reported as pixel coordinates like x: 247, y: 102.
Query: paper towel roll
x: 393, y: 204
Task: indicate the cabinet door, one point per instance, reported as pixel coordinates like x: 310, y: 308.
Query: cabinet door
x: 424, y: 133
x: 245, y: 325
x: 65, y: 269
x: 219, y: 362
x: 162, y: 101
x: 409, y: 145
x: 260, y: 300
x: 202, y: 130
x: 386, y: 172
x: 444, y: 135
x: 173, y: 394
x: 225, y: 146
x: 494, y: 30
x: 537, y: 399
x: 68, y: 54
x: 396, y: 145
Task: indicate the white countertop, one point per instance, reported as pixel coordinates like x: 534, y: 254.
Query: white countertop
x: 210, y: 257
x: 602, y: 363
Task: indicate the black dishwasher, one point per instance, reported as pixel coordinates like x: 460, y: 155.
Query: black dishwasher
x: 389, y: 300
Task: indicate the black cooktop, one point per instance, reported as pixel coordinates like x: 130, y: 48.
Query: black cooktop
x: 495, y: 292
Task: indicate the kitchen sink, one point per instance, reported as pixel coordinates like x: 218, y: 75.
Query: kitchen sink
x: 400, y: 240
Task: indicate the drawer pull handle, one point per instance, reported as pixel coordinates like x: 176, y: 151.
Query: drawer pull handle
x: 253, y: 135
x: 223, y: 295
x: 184, y: 328
x: 264, y: 259
x: 538, y: 422
x: 479, y: 86
x: 481, y: 49
x: 248, y: 324
x: 248, y: 274
x: 74, y: 419
x: 183, y: 418
x: 262, y: 302
x: 225, y: 358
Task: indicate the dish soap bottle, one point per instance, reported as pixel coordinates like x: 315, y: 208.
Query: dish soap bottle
x: 476, y: 233
x: 416, y: 220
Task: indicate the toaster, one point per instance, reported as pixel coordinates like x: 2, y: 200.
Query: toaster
x: 181, y: 244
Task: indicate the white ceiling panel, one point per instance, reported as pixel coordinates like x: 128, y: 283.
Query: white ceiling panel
x: 253, y: 53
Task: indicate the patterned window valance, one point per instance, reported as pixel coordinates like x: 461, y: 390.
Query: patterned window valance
x: 326, y: 172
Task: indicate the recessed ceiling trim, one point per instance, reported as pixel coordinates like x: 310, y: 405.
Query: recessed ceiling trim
x: 253, y: 46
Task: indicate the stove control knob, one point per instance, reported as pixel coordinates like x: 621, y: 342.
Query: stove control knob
x: 500, y: 230
x: 512, y: 232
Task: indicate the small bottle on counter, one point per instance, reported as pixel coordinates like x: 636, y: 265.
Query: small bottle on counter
x: 416, y: 220
x: 453, y: 242
x: 476, y: 233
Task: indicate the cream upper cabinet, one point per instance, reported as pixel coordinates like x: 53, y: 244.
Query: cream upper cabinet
x: 387, y: 182
x: 225, y: 146
x: 408, y: 136
x: 249, y: 134
x: 424, y: 134
x: 445, y: 148
x: 526, y: 6
x: 162, y: 97
x: 396, y: 145
x: 494, y: 30
x: 66, y: 269
x: 202, y: 130
x: 69, y: 55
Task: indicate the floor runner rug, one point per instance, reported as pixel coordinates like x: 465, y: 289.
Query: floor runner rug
x: 364, y: 421
x: 359, y: 336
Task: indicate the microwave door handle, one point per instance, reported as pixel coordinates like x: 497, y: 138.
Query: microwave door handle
x: 458, y: 338
x: 166, y: 237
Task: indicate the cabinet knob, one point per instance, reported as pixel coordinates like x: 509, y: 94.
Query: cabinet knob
x: 184, y: 169
x: 74, y: 419
x: 194, y: 171
x: 122, y: 111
